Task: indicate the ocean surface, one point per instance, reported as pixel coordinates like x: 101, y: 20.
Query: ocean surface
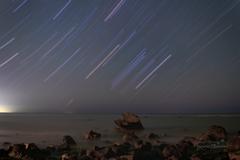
x: 44, y: 129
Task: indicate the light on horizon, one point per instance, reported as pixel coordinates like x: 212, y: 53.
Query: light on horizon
x: 4, y: 110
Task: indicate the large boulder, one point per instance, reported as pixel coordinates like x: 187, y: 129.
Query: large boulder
x: 129, y: 121
x: 234, y: 143
x: 69, y: 140
x: 130, y: 136
x: 217, y: 131
x: 18, y: 151
x: 91, y: 135
x: 25, y: 151
x: 234, y: 155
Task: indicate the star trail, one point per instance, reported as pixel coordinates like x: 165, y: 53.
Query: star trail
x: 105, y: 56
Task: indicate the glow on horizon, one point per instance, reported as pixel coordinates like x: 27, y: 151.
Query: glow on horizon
x: 4, y: 110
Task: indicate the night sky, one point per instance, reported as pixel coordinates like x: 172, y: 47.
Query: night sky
x: 111, y: 56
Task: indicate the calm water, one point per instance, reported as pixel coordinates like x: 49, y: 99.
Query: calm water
x: 44, y: 129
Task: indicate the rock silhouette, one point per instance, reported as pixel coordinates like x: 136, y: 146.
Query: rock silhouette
x: 217, y: 131
x: 129, y: 121
x: 91, y: 135
x: 69, y: 140
x: 234, y: 143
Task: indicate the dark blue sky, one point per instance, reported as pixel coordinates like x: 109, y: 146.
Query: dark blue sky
x: 110, y: 56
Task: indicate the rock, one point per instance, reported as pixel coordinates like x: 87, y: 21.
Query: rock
x: 144, y: 145
x: 6, y: 143
x: 82, y: 153
x: 130, y: 136
x: 163, y: 134
x: 51, y: 147
x: 116, y: 158
x: 190, y: 141
x: 68, y: 156
x: 150, y: 135
x: 91, y: 135
x: 234, y: 143
x: 92, y: 151
x: 97, y: 153
x: 124, y: 145
x: 159, y: 144
x: 27, y: 157
x: 142, y: 154
x: 128, y: 157
x: 45, y: 152
x: 9, y: 149
x: 34, y: 150
x: 3, y: 153
x: 206, y: 138
x: 129, y: 122
x: 234, y: 155
x: 69, y: 140
x: 85, y: 158
x: 117, y: 150
x: 217, y: 131
x: 174, y: 151
x: 18, y: 151
x: 195, y: 158
x: 49, y: 158
x: 64, y: 147
x: 27, y: 151
x: 112, y: 151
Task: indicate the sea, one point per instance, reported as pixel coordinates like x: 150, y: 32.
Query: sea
x: 44, y: 129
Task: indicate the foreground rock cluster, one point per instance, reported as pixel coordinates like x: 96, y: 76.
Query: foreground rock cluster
x: 212, y: 145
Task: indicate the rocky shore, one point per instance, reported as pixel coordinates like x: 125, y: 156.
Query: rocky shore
x: 212, y: 145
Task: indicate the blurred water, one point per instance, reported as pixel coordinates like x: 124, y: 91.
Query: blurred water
x: 44, y: 129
